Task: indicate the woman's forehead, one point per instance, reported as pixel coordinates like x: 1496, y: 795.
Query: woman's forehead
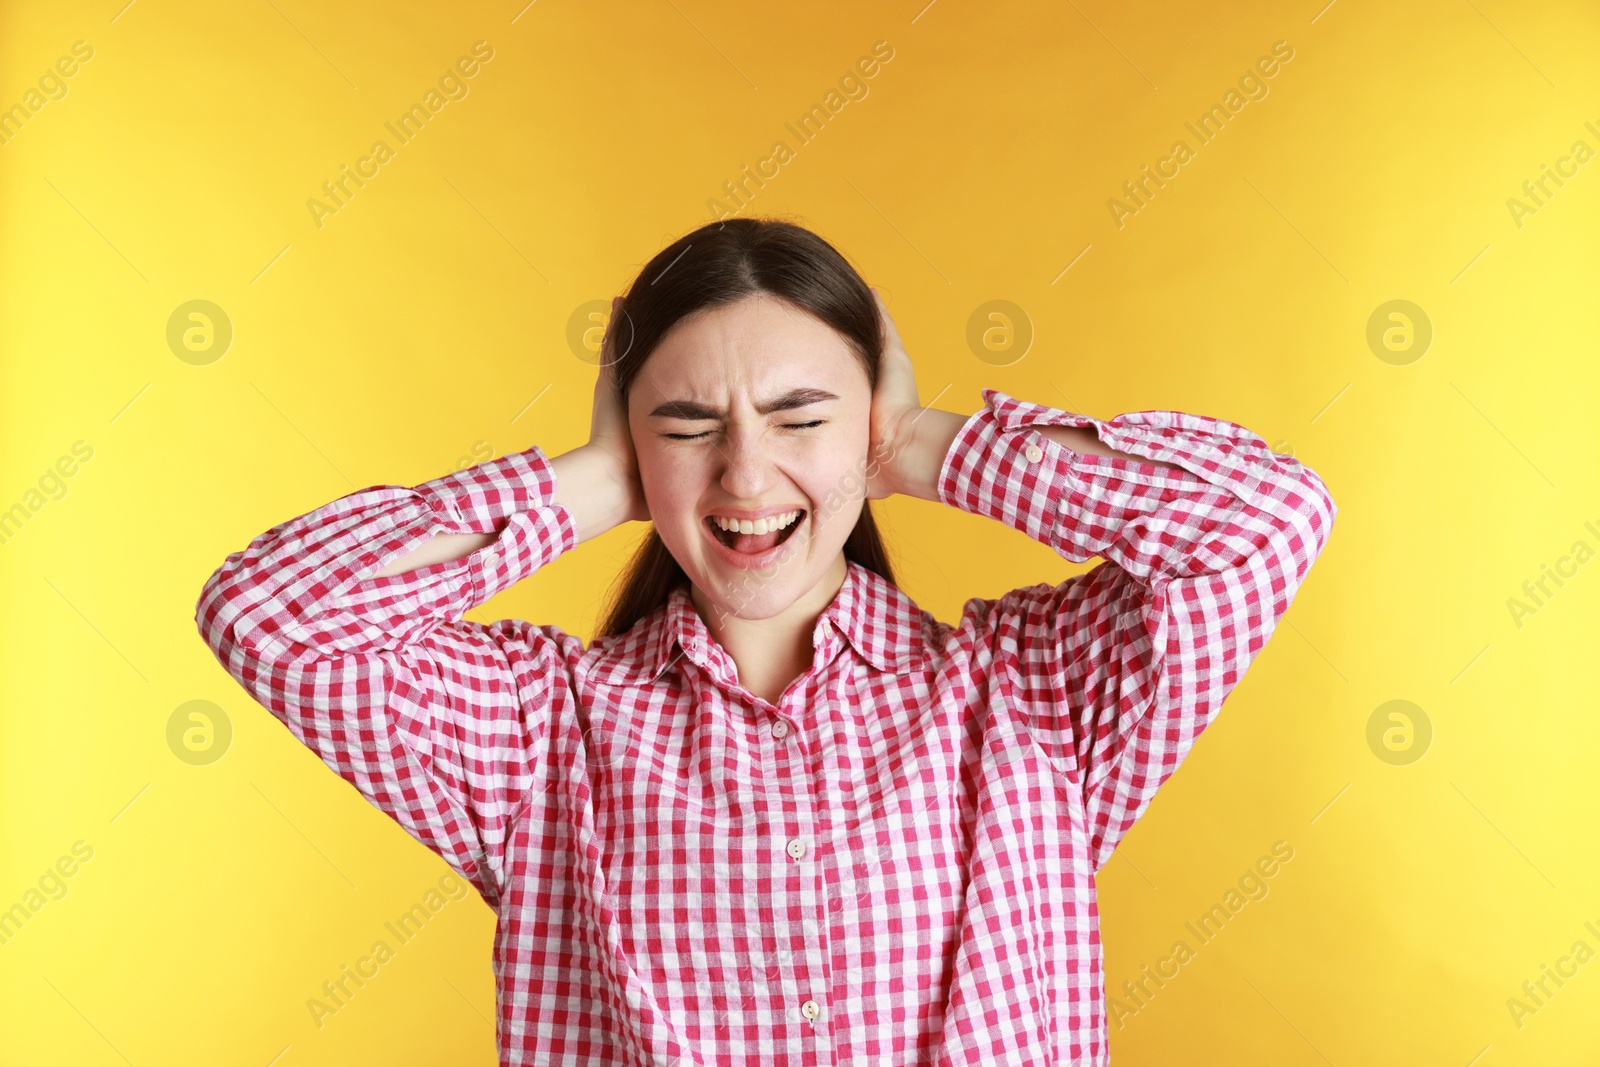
x: 755, y: 324
x: 757, y: 347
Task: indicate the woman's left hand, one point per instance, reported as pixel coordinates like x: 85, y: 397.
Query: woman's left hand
x: 894, y: 409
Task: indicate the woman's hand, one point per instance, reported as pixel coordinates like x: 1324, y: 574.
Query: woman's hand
x: 894, y: 408
x: 608, y: 427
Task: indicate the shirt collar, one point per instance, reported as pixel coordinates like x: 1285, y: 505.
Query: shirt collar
x: 882, y: 624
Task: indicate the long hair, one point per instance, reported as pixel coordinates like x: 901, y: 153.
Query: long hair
x: 718, y: 264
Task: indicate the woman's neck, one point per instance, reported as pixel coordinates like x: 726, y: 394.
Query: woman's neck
x: 771, y: 653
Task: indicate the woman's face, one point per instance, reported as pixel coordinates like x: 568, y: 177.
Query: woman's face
x: 706, y: 448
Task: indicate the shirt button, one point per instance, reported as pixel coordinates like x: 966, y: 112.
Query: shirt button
x: 797, y: 848
x: 780, y: 728
x: 810, y: 1009
x: 1034, y: 453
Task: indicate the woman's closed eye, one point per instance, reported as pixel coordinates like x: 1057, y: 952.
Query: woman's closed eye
x: 786, y: 426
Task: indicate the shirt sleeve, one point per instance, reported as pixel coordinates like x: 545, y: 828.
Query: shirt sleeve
x: 1116, y: 672
x: 438, y: 722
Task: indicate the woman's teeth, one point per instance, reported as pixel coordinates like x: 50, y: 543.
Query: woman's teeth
x: 759, y: 526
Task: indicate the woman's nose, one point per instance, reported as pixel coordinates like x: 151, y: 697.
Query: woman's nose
x: 746, y: 463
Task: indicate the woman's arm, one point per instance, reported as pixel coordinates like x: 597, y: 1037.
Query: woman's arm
x: 931, y: 432
x: 441, y: 723
x: 346, y: 623
x: 1206, y: 534
x: 588, y: 484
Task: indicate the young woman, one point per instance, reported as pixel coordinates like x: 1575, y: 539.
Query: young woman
x: 774, y: 812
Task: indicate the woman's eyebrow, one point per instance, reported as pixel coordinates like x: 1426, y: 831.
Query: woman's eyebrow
x: 691, y: 411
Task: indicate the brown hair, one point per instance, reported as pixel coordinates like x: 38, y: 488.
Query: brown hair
x: 718, y: 264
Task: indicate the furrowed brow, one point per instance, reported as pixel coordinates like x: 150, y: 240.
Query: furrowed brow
x: 690, y: 411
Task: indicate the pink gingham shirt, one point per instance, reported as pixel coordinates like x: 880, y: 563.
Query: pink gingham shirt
x: 893, y: 865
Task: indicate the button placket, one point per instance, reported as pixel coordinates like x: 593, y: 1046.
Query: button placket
x: 803, y: 956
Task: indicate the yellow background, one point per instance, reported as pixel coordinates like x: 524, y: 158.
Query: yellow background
x: 404, y: 335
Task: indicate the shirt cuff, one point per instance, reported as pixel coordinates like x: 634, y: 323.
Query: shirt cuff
x: 516, y: 489
x: 480, y: 498
x: 987, y: 462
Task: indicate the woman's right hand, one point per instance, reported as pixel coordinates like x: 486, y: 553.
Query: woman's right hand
x: 608, y: 425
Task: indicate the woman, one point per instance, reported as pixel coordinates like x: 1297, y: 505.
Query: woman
x: 775, y: 812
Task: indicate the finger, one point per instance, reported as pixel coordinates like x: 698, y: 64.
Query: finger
x: 612, y: 329
x: 891, y: 333
x: 608, y: 340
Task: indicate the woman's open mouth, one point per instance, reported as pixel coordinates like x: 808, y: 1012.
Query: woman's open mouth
x: 748, y: 542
